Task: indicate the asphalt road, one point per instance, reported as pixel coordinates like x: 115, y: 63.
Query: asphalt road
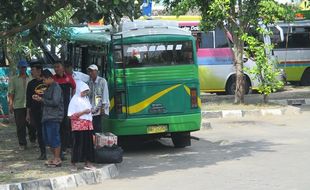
x: 248, y: 153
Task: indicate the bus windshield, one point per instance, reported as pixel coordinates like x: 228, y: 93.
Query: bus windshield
x: 158, y: 54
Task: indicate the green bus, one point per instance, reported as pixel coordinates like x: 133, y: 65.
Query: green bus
x: 152, y: 74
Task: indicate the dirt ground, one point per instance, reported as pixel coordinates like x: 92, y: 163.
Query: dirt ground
x: 17, y: 165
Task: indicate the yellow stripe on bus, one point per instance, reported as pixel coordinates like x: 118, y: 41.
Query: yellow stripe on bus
x: 145, y: 103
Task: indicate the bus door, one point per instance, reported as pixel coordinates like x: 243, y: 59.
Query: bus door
x: 81, y: 56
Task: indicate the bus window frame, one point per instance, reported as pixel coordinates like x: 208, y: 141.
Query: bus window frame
x: 285, y: 36
x: 147, y: 54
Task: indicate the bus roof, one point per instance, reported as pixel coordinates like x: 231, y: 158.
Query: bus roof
x: 155, y: 31
x: 176, y: 18
x: 131, y: 30
x: 92, y: 38
x: 296, y: 23
x: 138, y: 24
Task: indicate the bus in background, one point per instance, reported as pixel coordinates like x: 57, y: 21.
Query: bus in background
x: 292, y: 49
x: 152, y: 74
x: 215, y: 58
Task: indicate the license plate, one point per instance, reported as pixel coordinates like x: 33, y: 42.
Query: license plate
x: 157, y: 129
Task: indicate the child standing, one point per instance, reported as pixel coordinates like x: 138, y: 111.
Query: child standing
x: 53, y: 112
x: 79, y: 112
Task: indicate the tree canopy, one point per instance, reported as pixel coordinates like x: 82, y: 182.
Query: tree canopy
x: 20, y: 15
x: 237, y: 18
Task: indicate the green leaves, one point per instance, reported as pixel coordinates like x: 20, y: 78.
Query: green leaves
x: 19, y: 15
x: 266, y: 70
x: 238, y: 17
x: 44, y: 21
x: 271, y: 12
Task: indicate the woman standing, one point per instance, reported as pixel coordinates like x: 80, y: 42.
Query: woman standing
x: 79, y: 112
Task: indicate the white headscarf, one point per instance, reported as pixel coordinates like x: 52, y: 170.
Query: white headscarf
x: 79, y: 103
x: 79, y: 76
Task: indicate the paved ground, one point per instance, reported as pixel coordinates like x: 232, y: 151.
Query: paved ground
x: 304, y: 108
x: 245, y: 153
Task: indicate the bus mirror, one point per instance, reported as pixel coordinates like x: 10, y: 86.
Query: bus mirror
x: 245, y: 59
x: 281, y: 32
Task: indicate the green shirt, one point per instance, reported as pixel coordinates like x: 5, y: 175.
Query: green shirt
x: 18, y: 87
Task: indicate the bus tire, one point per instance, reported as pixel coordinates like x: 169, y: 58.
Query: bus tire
x: 231, y: 85
x: 295, y: 83
x: 305, y: 79
x: 181, y: 139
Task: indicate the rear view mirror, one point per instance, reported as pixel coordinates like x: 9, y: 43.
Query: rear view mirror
x: 245, y: 59
x: 281, y: 32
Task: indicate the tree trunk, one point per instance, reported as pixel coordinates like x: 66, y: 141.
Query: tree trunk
x: 265, y: 100
x: 240, y: 83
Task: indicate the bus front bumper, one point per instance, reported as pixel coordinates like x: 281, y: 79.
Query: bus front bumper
x: 140, y: 126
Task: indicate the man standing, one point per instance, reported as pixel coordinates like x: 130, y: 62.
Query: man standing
x: 17, y: 104
x: 98, y: 96
x: 34, y: 111
x: 52, y: 115
x: 68, y: 86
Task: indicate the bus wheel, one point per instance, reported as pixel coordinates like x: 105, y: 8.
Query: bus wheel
x: 231, y: 85
x: 305, y: 79
x: 181, y: 139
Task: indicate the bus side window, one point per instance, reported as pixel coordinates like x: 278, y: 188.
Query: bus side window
x: 207, y: 40
x: 220, y: 39
x: 299, y: 40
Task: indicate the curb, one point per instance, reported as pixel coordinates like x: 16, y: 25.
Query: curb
x: 69, y: 181
x: 288, y: 110
x: 293, y: 102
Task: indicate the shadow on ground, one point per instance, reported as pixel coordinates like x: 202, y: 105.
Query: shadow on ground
x: 140, y: 159
x: 159, y: 156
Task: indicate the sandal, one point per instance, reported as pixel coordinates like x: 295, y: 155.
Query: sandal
x: 89, y: 167
x: 55, y: 164
x: 73, y: 169
x: 49, y: 162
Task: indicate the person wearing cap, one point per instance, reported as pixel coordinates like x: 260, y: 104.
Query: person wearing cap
x: 98, y: 96
x: 17, y: 104
x: 34, y: 108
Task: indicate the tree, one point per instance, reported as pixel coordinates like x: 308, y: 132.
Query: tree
x: 236, y: 17
x: 20, y: 15
x: 265, y: 70
x: 28, y: 24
